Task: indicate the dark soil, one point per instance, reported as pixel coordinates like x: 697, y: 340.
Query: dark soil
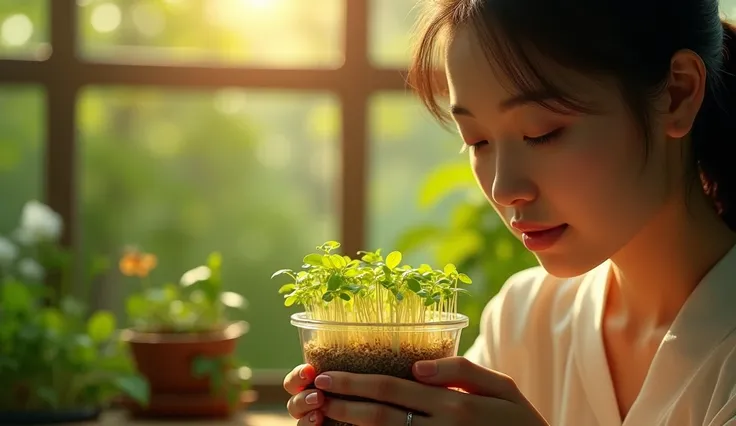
x: 373, y: 358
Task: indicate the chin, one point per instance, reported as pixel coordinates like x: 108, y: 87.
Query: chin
x: 566, y: 265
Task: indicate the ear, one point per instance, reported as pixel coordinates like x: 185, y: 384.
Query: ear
x: 684, y: 93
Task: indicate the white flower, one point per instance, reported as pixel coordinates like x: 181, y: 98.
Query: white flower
x: 39, y: 223
x: 8, y: 252
x: 197, y: 274
x: 31, y: 270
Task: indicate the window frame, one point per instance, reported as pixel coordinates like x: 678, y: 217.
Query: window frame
x: 63, y: 74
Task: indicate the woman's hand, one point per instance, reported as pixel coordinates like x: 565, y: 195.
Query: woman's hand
x: 485, y: 397
x: 304, y: 404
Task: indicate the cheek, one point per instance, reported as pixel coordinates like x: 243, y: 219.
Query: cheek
x: 600, y: 178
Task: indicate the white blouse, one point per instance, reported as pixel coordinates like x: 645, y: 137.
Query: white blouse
x: 545, y: 333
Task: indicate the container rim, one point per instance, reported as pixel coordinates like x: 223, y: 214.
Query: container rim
x: 458, y: 321
x: 230, y: 331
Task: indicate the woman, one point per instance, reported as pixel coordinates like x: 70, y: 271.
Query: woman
x: 603, y: 134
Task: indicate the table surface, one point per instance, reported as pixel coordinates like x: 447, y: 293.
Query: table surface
x: 255, y: 417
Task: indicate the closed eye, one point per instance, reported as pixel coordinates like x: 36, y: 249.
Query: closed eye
x: 546, y: 138
x: 474, y: 146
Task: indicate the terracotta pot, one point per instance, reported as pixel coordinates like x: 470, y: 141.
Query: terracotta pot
x: 166, y: 360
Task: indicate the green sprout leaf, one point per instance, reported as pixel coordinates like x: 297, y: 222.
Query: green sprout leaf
x: 287, y: 288
x: 370, y: 289
x: 393, y: 259
x: 464, y: 278
x: 313, y: 259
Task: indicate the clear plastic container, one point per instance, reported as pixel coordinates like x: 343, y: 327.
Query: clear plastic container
x: 377, y: 348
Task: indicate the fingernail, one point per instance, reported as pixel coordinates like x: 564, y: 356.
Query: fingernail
x: 302, y: 374
x: 323, y: 382
x: 313, y: 417
x: 426, y: 368
x: 311, y: 398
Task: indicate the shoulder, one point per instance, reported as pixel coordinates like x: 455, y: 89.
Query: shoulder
x: 529, y: 309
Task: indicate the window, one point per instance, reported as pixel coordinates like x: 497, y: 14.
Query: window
x: 250, y: 173
x: 258, y: 128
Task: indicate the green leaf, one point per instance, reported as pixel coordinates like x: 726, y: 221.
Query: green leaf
x: 135, y: 387
x: 328, y: 297
x: 282, y: 272
x: 345, y: 296
x: 290, y: 300
x: 101, y: 326
x: 464, y: 278
x: 386, y: 270
x: 338, y: 261
x: 413, y: 285
x: 334, y: 282
x: 329, y: 246
x: 313, y: 259
x: 443, y: 181
x: 287, y: 288
x: 450, y: 269
x: 393, y: 259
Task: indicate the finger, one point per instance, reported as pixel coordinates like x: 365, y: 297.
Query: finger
x: 371, y: 414
x: 392, y: 390
x: 463, y: 373
x: 302, y: 403
x: 299, y: 378
x: 313, y: 418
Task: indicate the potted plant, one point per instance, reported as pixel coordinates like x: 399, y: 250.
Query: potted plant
x: 183, y: 342
x: 371, y: 315
x: 57, y: 363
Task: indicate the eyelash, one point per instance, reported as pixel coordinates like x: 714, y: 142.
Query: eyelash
x: 540, y: 140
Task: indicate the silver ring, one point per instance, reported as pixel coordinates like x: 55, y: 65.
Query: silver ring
x: 409, y: 417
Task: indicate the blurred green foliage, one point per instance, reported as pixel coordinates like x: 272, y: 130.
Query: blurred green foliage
x: 252, y: 174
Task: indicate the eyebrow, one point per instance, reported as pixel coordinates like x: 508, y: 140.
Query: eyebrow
x: 510, y: 103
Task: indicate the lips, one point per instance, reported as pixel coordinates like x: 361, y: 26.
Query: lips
x: 539, y: 237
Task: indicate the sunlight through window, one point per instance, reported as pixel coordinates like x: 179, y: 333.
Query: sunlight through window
x: 16, y: 30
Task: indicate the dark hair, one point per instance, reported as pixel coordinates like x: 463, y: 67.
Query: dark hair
x: 630, y: 40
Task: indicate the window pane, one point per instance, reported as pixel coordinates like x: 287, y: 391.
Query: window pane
x: 24, y: 29
x: 269, y: 33
x: 390, y: 26
x: 407, y: 145
x: 22, y: 137
x: 181, y: 174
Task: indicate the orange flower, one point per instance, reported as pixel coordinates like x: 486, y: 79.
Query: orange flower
x: 135, y: 263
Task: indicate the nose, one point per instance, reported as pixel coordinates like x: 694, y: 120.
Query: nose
x: 512, y: 184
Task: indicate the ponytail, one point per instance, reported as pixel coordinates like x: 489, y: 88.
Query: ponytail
x: 714, y: 133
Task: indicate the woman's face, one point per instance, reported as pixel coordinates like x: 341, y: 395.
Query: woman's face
x: 574, y: 188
